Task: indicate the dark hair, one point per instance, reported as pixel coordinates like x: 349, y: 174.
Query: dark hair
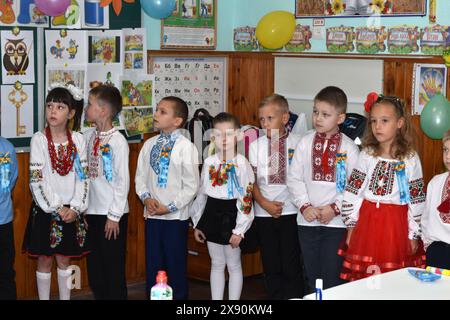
x: 63, y: 95
x: 276, y: 99
x: 226, y: 117
x: 108, y: 95
x: 180, y: 108
x: 403, y: 146
x: 334, y: 96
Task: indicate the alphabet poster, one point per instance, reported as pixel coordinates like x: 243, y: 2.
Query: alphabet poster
x: 17, y: 56
x: 199, y: 81
x: 17, y: 111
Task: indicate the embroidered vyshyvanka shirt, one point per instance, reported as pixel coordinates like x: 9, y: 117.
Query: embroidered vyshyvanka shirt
x: 227, y: 180
x: 174, y: 186
x: 50, y: 190
x: 108, y: 194
x: 8, y: 177
x: 376, y: 179
x: 313, y: 177
x: 271, y: 160
x: 435, y: 224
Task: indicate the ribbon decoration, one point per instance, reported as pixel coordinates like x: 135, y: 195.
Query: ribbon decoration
x: 402, y: 180
x: 78, y: 168
x: 341, y: 171
x: 107, y: 161
x: 290, y: 155
x: 233, y: 180
x: 5, y: 171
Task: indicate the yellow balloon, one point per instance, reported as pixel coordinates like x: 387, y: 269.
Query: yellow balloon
x: 275, y: 29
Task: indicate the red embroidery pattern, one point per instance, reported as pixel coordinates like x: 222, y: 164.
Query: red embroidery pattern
x: 445, y: 217
x: 355, y: 181
x: 277, y: 160
x: 323, y: 162
x: 246, y: 206
x: 382, y: 178
x: 417, y: 191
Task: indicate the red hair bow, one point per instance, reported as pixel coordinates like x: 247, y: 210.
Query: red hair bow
x: 370, y: 101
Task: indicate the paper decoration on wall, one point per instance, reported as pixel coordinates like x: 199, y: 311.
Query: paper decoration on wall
x: 95, y: 16
x: 138, y: 101
x: 21, y: 13
x: 134, y: 50
x: 370, y: 40
x: 403, y: 39
x: 244, y: 39
x: 117, y: 4
x: 103, y: 74
x: 300, y: 40
x: 75, y: 75
x: 432, y: 11
x: 17, y: 111
x: 429, y: 80
x: 198, y: 81
x: 66, y: 47
x: 435, y: 39
x: 104, y: 46
x: 340, y: 39
x: 71, y: 19
x: 17, y: 56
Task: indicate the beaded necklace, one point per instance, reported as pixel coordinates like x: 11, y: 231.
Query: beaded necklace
x: 63, y: 161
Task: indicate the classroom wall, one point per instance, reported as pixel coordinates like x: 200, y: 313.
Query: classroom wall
x: 237, y: 13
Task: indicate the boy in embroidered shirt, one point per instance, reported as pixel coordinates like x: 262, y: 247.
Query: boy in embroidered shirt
x: 167, y: 180
x: 436, y: 216
x: 276, y: 215
x: 8, y: 176
x: 107, y: 214
x: 322, y: 161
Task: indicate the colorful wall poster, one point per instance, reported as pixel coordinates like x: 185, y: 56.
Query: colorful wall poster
x: 300, y: 40
x: 193, y: 24
x: 94, y: 15
x: 429, y: 80
x: 244, y: 39
x: 74, y: 75
x: 370, y: 40
x: 137, y: 120
x: 104, y: 46
x: 17, y: 56
x: 17, y: 111
x: 403, y: 39
x: 66, y: 47
x: 134, y: 50
x: 435, y: 39
x: 71, y: 19
x: 340, y: 39
x: 21, y: 13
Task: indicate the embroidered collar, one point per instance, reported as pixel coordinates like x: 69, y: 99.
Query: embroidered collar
x: 282, y: 137
x: 334, y: 137
x: 105, y: 133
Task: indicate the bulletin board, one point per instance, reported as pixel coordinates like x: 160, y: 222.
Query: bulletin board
x: 201, y: 81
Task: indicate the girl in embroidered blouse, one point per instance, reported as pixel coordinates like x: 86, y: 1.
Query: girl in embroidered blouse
x: 59, y: 184
x: 385, y: 197
x: 223, y: 210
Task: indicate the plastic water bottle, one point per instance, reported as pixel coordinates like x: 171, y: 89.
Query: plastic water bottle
x: 319, y: 289
x: 161, y: 290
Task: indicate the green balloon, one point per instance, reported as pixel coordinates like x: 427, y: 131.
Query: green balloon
x: 435, y: 117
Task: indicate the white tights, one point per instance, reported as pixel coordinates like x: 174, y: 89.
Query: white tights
x: 221, y: 256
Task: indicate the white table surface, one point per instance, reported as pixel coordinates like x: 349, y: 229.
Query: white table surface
x: 394, y: 285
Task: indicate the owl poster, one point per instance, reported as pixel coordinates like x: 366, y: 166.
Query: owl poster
x: 17, y: 56
x: 66, y: 47
x: 17, y: 111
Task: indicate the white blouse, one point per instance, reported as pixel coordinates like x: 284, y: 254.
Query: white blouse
x: 309, y: 184
x: 375, y: 179
x: 436, y: 225
x: 182, y: 179
x: 244, y: 203
x: 50, y: 190
x: 108, y: 197
x: 267, y: 165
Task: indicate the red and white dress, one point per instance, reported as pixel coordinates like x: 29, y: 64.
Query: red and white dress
x: 383, y: 224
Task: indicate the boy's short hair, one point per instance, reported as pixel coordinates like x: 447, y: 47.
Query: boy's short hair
x: 277, y: 99
x: 446, y: 136
x: 226, y: 117
x: 334, y: 96
x: 108, y: 95
x: 180, y: 108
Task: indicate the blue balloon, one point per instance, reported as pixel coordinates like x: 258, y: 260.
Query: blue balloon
x: 158, y: 9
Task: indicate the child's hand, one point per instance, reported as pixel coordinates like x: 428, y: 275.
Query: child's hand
x: 414, y: 246
x: 349, y: 235
x: 235, y: 240
x: 63, y: 212
x: 310, y: 214
x: 161, y: 210
x: 111, y: 229
x: 326, y: 214
x: 69, y: 216
x: 150, y: 207
x: 199, y: 236
x: 274, y: 208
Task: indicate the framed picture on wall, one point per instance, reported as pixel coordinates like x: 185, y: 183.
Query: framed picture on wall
x: 429, y: 80
x: 358, y: 8
x: 192, y: 25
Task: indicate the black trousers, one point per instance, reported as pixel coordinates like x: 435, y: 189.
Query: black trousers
x: 7, y: 254
x: 281, y: 256
x: 319, y: 247
x: 106, y: 262
x: 438, y: 255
